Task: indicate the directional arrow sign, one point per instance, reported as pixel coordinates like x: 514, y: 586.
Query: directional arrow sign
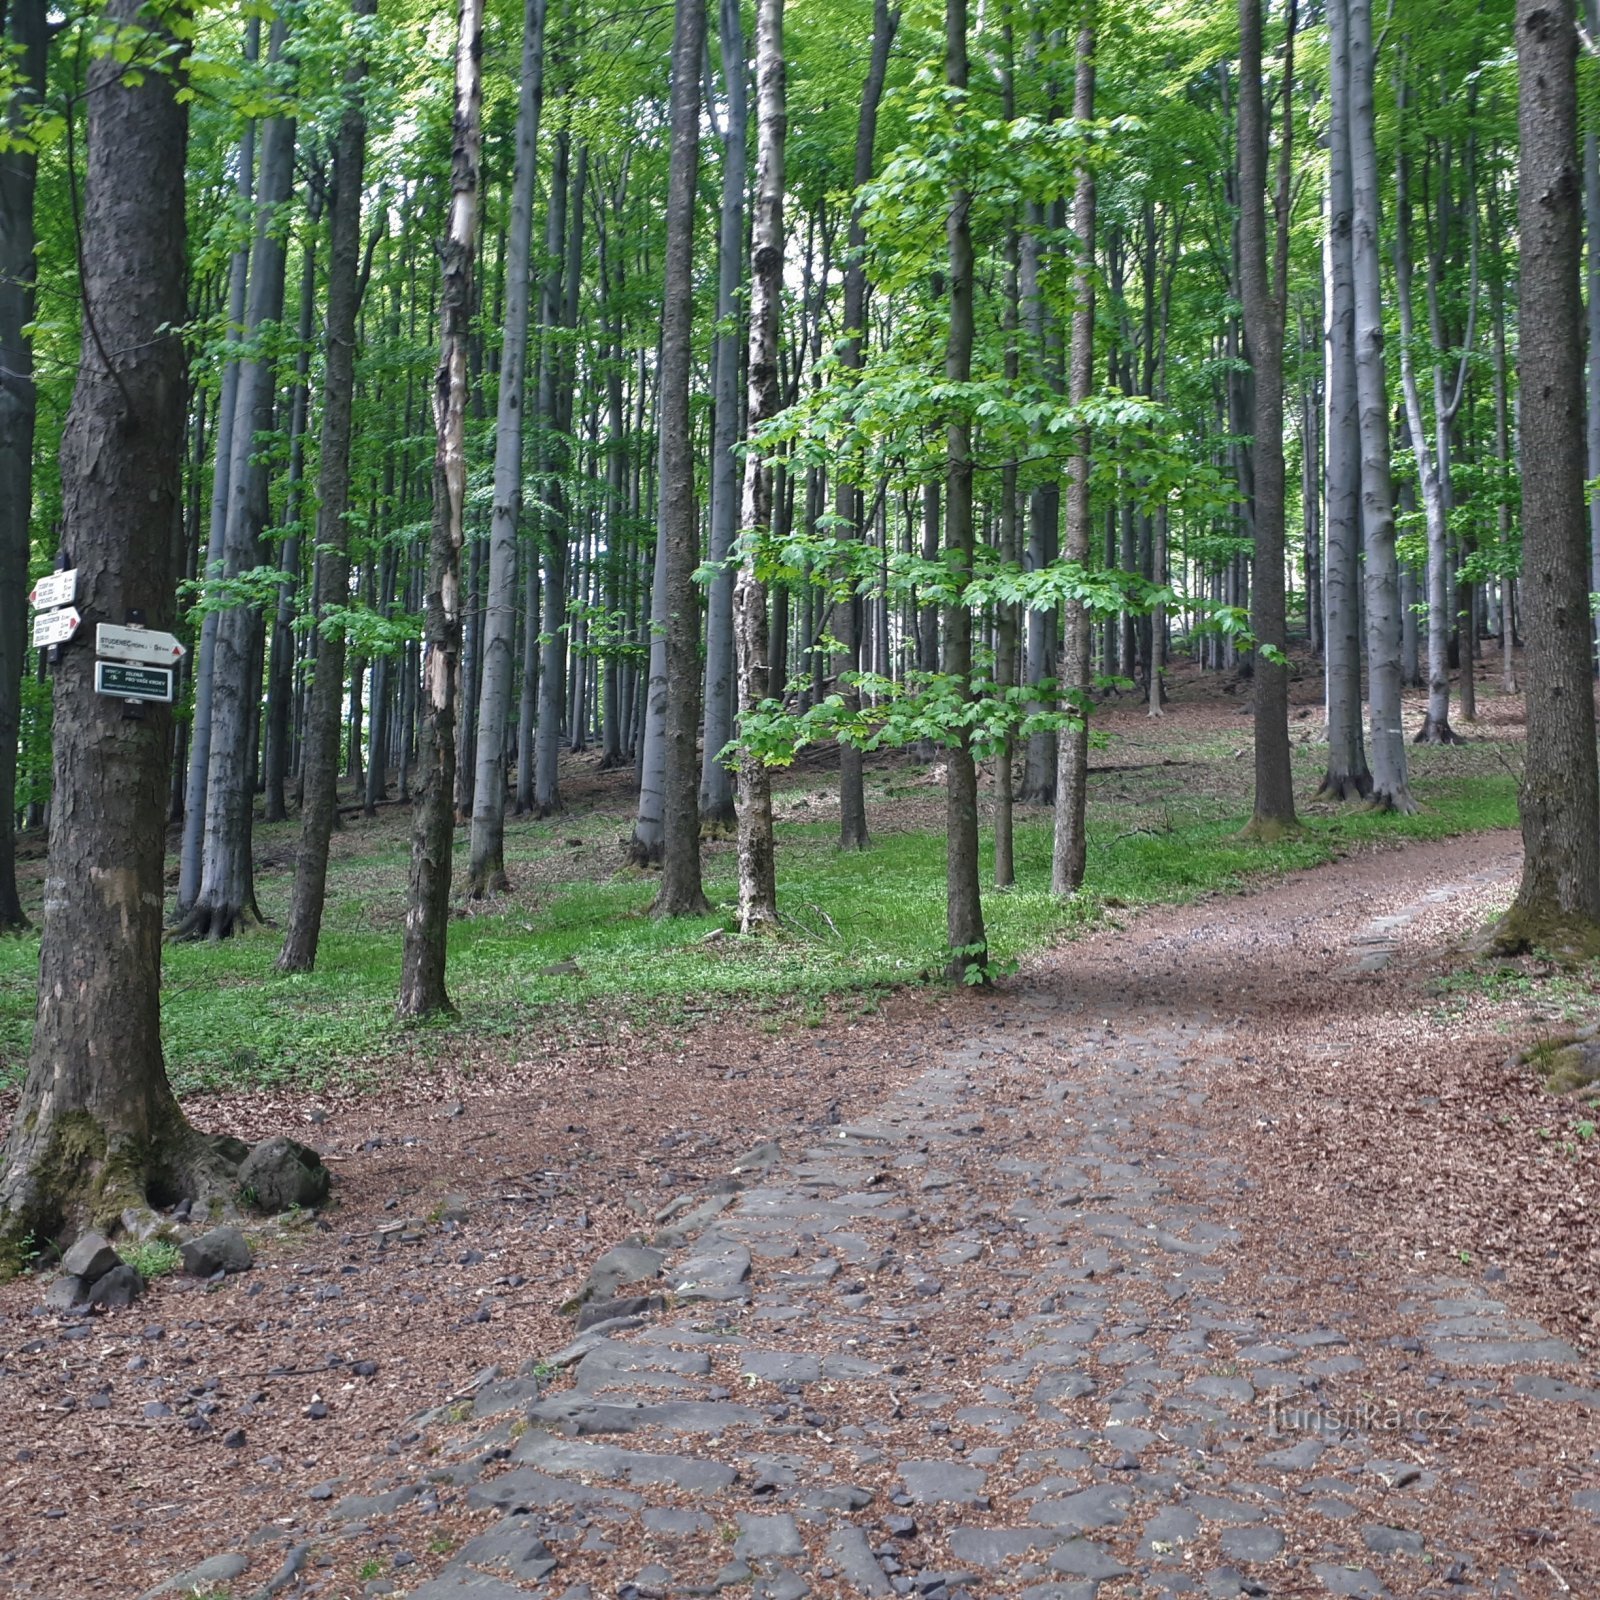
x: 133, y: 683
x: 55, y: 589
x: 137, y: 644
x: 55, y: 627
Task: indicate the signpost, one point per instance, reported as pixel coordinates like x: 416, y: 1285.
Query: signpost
x: 55, y: 627
x: 55, y: 589
x: 137, y: 644
x: 124, y: 682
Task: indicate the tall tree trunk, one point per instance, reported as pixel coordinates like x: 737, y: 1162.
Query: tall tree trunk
x: 422, y: 973
x: 1558, y: 902
x: 681, y: 893
x: 966, y: 943
x: 27, y: 35
x: 1390, y: 784
x: 1069, y: 855
x: 716, y: 782
x: 846, y: 624
x: 97, y: 1128
x: 758, y: 891
x: 227, y: 889
x: 486, y: 872
x: 191, y: 855
x: 1347, y: 777
x: 280, y: 678
x: 1264, y: 295
x: 331, y: 587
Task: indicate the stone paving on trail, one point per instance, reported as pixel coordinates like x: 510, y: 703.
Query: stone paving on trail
x: 1004, y: 1338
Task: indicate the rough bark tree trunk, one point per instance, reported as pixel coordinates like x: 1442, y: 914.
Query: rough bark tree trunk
x: 681, y: 893
x: 1557, y: 907
x: 27, y: 35
x: 422, y: 974
x: 97, y: 1129
x: 1264, y: 291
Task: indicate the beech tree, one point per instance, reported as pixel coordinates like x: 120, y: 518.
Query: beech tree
x: 1558, y: 901
x: 97, y: 1129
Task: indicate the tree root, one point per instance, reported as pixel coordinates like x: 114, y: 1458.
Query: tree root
x: 1342, y: 786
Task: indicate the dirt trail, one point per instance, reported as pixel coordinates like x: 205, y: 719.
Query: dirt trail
x: 1205, y: 1258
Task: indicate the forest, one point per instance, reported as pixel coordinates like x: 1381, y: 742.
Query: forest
x: 704, y: 576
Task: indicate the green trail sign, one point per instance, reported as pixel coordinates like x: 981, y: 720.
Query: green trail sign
x: 133, y: 683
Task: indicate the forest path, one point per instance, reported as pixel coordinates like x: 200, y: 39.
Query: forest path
x: 1060, y: 1318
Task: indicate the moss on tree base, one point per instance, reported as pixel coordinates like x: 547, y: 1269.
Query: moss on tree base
x: 1567, y: 936
x: 1270, y: 830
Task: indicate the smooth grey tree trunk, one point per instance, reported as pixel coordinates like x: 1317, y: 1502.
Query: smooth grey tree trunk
x: 1390, y: 783
x: 1069, y: 853
x: 716, y: 781
x: 966, y: 942
x: 486, y: 871
x: 1347, y: 776
x: 191, y: 851
x: 227, y: 890
x: 331, y: 586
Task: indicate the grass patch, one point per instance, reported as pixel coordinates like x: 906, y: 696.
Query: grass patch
x: 152, y: 1258
x: 573, y: 943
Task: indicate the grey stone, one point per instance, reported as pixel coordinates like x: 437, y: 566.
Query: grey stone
x: 829, y: 1497
x: 525, y: 1489
x: 462, y: 1583
x: 992, y: 1548
x: 767, y: 1538
x: 1167, y: 1534
x: 211, y: 1572
x: 1266, y: 1355
x: 574, y: 1457
x: 720, y: 1273
x: 1083, y: 1558
x: 65, y: 1293
x: 1103, y: 1506
x: 221, y: 1249
x: 614, y: 1363
x: 1296, y: 1457
x: 359, y: 1507
x: 599, y: 1313
x: 1504, y: 1352
x: 281, y: 1174
x: 934, y: 1483
x: 668, y: 1522
x: 1538, y: 1387
x: 504, y: 1394
x: 782, y: 1585
x: 1350, y: 1583
x: 582, y: 1414
x: 780, y: 1366
x: 850, y: 1550
x: 1251, y: 1544
x: 121, y: 1286
x: 1386, y: 1541
x: 513, y: 1545
x: 624, y: 1263
x: 90, y: 1257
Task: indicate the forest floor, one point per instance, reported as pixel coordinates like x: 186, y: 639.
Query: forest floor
x: 1225, y: 1248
